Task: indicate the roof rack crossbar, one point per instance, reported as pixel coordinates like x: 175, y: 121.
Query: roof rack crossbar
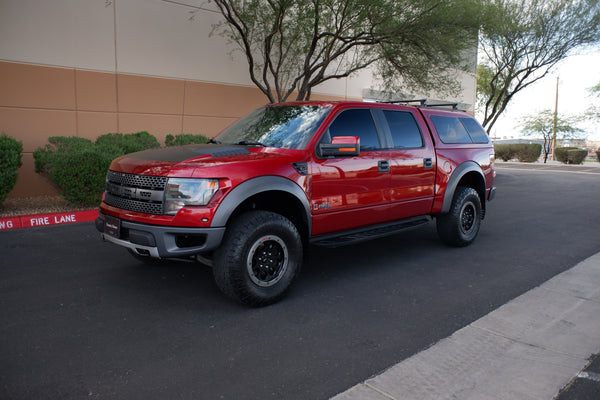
x: 453, y: 105
x: 423, y: 103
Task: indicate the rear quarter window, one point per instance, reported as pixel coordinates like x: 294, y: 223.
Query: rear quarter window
x: 456, y: 130
x: 450, y: 129
x: 475, y: 130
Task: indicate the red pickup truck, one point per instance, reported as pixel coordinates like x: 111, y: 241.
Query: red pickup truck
x: 251, y: 201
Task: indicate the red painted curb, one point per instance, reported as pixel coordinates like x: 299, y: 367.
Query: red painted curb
x: 32, y: 221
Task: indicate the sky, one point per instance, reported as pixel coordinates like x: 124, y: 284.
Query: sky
x: 576, y: 74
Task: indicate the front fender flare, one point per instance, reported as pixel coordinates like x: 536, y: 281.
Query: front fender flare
x: 255, y: 186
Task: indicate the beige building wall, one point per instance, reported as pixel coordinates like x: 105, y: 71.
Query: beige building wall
x: 89, y: 67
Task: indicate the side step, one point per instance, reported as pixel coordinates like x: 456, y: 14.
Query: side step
x: 367, y: 233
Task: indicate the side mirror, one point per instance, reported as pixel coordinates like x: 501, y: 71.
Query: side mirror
x: 341, y: 146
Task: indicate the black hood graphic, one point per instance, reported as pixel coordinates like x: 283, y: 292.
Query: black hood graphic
x: 183, y: 153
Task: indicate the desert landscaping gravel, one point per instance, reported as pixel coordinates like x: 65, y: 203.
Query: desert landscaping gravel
x: 14, y: 206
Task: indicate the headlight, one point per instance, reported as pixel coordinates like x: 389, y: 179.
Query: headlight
x: 183, y: 192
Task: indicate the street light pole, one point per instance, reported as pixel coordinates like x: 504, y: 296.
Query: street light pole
x: 555, y: 122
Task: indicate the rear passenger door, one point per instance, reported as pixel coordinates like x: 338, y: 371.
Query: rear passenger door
x: 412, y: 164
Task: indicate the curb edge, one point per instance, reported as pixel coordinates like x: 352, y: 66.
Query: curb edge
x: 37, y: 220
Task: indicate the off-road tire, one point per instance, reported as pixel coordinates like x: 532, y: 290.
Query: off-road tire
x: 460, y: 225
x: 260, y: 256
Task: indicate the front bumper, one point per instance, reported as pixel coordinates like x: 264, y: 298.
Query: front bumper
x: 162, y: 241
x: 492, y: 194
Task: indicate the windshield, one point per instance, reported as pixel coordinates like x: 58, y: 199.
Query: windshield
x: 288, y: 127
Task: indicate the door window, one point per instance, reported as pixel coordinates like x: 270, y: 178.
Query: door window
x: 404, y: 129
x: 356, y: 122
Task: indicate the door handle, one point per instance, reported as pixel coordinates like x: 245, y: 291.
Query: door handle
x: 383, y: 166
x: 427, y: 163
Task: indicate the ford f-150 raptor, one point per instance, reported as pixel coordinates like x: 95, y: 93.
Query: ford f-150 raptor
x: 251, y: 200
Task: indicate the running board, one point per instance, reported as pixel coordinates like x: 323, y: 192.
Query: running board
x: 367, y: 233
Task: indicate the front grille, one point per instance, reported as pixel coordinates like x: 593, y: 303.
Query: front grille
x: 133, y: 205
x: 138, y: 181
x: 140, y: 193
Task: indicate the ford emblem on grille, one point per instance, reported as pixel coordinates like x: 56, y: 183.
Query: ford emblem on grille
x: 128, y: 192
x: 140, y: 193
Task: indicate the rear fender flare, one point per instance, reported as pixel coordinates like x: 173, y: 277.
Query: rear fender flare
x: 460, y: 171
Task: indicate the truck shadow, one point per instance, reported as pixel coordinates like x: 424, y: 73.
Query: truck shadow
x: 375, y: 256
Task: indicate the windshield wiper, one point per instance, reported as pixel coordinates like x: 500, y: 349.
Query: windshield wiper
x: 250, y: 143
x: 213, y: 141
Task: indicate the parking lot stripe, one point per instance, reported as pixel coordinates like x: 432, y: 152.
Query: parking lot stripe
x: 589, y: 375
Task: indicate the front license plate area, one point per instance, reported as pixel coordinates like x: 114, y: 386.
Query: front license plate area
x: 112, y: 226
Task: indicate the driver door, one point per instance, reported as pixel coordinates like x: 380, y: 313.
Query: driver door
x: 350, y: 192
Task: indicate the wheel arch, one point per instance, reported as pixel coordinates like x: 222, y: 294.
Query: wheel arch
x: 270, y: 193
x: 467, y: 174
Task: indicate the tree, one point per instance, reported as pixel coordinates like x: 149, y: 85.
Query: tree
x: 530, y: 38
x: 485, y: 91
x: 543, y: 124
x: 593, y: 112
x: 291, y: 46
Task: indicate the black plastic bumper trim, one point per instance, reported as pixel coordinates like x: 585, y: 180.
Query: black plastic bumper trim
x: 162, y: 240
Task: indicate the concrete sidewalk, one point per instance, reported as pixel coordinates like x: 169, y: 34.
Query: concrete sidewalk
x: 530, y: 348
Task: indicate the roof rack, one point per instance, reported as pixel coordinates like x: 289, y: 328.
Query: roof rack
x: 423, y: 103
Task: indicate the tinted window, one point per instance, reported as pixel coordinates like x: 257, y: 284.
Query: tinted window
x: 405, y: 132
x: 475, y: 130
x: 450, y: 129
x: 356, y: 123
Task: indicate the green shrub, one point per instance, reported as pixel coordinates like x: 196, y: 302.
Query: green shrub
x: 77, y: 167
x: 10, y: 160
x: 44, y: 156
x: 561, y: 153
x: 67, y: 143
x: 571, y: 155
x: 527, y: 152
x: 185, y: 138
x: 81, y: 174
x: 130, y: 142
x: 524, y: 152
x: 503, y: 152
x: 577, y: 156
x: 598, y: 155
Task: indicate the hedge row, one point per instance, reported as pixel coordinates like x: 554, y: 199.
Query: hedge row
x: 10, y: 160
x: 183, y: 139
x: 520, y: 151
x: 571, y: 155
x: 77, y: 166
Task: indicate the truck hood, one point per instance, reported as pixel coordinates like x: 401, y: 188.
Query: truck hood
x: 181, y: 161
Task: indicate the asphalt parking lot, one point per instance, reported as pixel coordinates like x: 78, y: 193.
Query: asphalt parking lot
x: 586, y: 386
x: 82, y: 319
